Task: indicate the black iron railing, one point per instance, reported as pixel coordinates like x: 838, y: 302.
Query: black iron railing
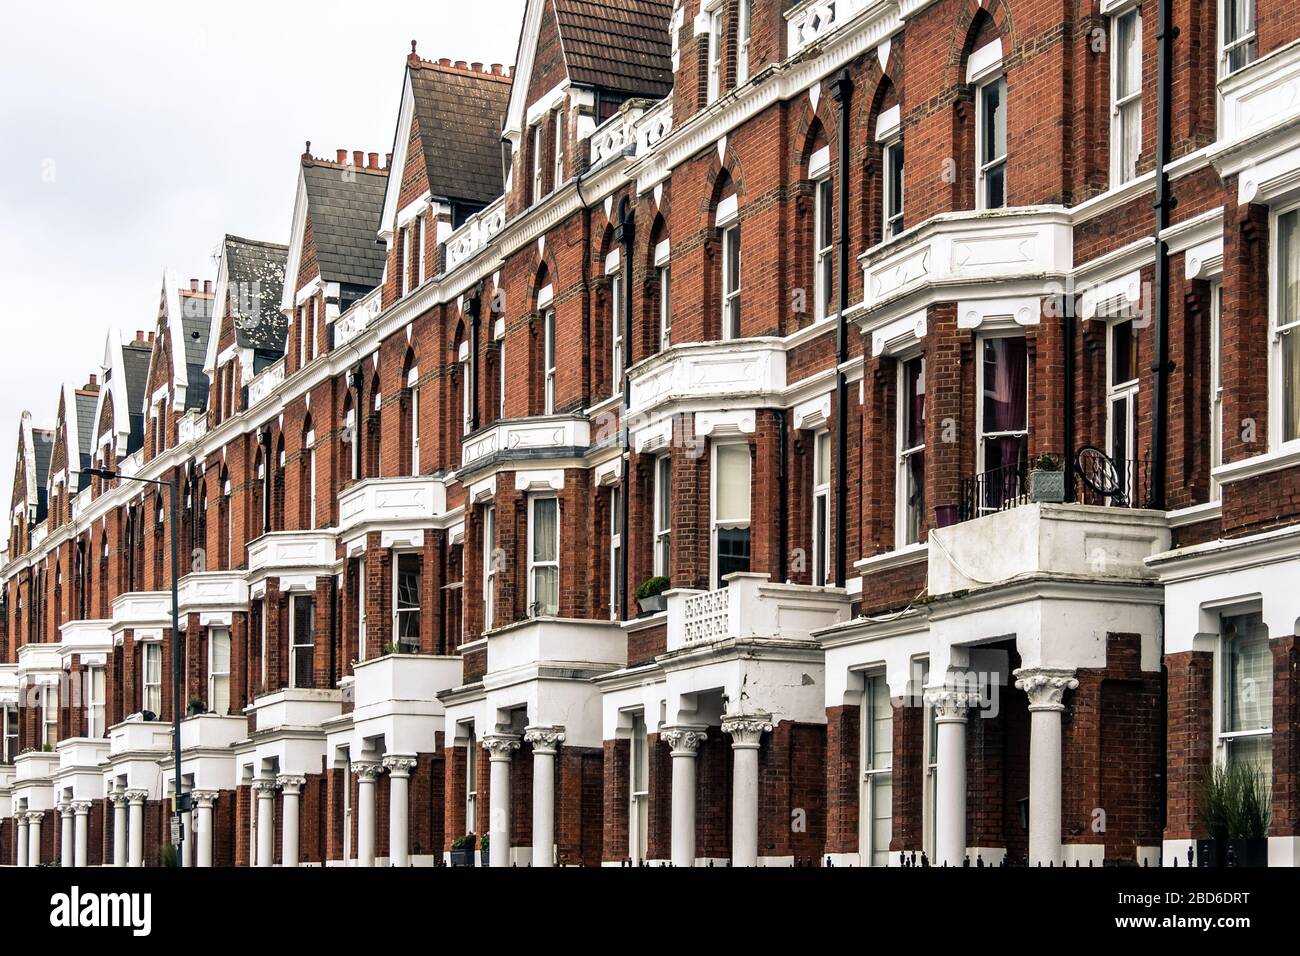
x: 1091, y: 478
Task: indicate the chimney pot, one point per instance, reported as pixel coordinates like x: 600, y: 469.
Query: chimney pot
x: 496, y: 69
x: 372, y: 161
x: 358, y: 158
x: 139, y: 335
x: 388, y: 160
x: 207, y: 286
x: 444, y: 62
x: 194, y: 285
x: 94, y: 380
x: 342, y: 157
x: 476, y: 67
x: 461, y: 64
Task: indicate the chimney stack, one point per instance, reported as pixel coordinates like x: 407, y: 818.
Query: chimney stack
x: 342, y: 157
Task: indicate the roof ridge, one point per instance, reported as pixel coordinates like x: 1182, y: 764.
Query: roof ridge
x: 496, y: 72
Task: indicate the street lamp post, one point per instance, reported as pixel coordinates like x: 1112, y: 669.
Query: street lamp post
x: 181, y: 802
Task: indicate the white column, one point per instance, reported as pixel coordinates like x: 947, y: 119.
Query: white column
x: 65, y: 835
x: 500, y: 748
x: 21, y: 856
x: 187, y: 844
x: 950, y: 707
x: 34, y: 839
x: 685, y: 743
x: 746, y: 731
x: 265, y: 790
x: 135, y: 802
x: 292, y: 786
x: 366, y: 773
x: 399, y: 769
x: 203, y: 803
x: 1046, y: 687
x: 81, y: 833
x: 545, y: 742
x: 118, y: 799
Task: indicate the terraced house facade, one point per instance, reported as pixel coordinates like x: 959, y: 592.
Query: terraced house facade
x: 742, y: 432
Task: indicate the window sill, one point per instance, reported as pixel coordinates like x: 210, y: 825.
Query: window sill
x: 1288, y: 456
x: 901, y: 557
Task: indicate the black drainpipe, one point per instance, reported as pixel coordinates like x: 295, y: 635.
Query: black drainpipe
x: 842, y: 91
x: 782, y: 484
x: 473, y: 310
x: 1164, y: 205
x: 1067, y: 432
x: 624, y: 235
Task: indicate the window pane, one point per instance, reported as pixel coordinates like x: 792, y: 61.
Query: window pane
x: 664, y: 492
x: 1128, y: 58
x: 882, y: 807
x: 546, y: 590
x: 825, y: 192
x: 1249, y: 674
x: 823, y: 469
x: 733, y: 490
x: 914, y: 403
x: 545, y: 523
x: 881, y: 740
x: 1005, y: 403
x: 733, y: 551
x: 1123, y: 353
x: 221, y: 652
x: 995, y: 120
x: 1290, y: 344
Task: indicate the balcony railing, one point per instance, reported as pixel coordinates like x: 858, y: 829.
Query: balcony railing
x: 750, y: 607
x: 811, y: 20
x: 475, y: 233
x: 635, y: 129
x: 357, y: 319
x: 1091, y: 478
x: 264, y: 384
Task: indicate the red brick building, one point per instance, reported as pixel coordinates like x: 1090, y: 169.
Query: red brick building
x: 740, y: 432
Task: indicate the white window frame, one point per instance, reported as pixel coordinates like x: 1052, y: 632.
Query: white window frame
x: 489, y: 566
x: 823, y: 254
x: 539, y: 143
x: 471, y: 780
x: 1216, y: 386
x: 713, y: 84
x: 1120, y: 169
x: 985, y: 164
x: 638, y: 817
x: 665, y: 275
x: 744, y: 33
x: 616, y: 330
x: 294, y: 642
x: 548, y: 361
x: 403, y: 276
x: 615, y: 548
x: 218, y: 678
x: 96, y: 701
x: 930, y: 780
x: 558, y: 171
x: 311, y: 480
x: 730, y: 298
x: 713, y: 504
x: 8, y: 733
x: 535, y: 565
x: 263, y: 667
x: 398, y: 611
x: 151, y: 694
x: 892, y: 219
x: 874, y: 778
x: 903, y: 536
x: 821, y: 509
x: 466, y: 397
x: 1128, y: 391
x: 419, y: 250
x: 1280, y: 324
x: 981, y: 436
x: 415, y: 431
x: 1247, y: 40
x: 49, y: 715
x: 663, y: 518
x: 362, y: 592
x: 1224, y: 738
x: 501, y: 373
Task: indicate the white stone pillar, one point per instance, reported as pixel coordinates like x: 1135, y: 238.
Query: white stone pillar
x: 120, y: 838
x: 685, y: 743
x: 34, y: 839
x: 367, y: 773
x: 500, y: 749
x: 65, y: 835
x: 203, y: 803
x: 1046, y: 687
x: 81, y: 833
x: 399, y: 769
x: 292, y: 786
x: 746, y: 731
x: 950, y: 707
x: 545, y: 742
x: 265, y: 790
x: 187, y: 844
x: 135, y: 801
x: 21, y: 856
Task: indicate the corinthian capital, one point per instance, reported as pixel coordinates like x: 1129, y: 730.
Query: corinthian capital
x: 684, y: 741
x: 544, y: 740
x: 367, y: 770
x: 204, y: 798
x: 1046, y: 686
x: 951, y: 703
x: 746, y: 730
x: 398, y: 765
x: 290, y: 783
x: 500, y: 746
x: 81, y: 807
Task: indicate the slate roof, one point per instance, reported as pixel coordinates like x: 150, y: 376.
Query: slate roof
x: 196, y: 326
x: 135, y: 362
x: 43, y: 446
x: 621, y: 45
x: 459, y: 113
x: 255, y: 282
x: 345, y: 208
x: 87, y: 403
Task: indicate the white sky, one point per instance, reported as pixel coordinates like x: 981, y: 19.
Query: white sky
x: 134, y: 136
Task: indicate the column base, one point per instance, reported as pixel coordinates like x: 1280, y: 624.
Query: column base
x: 989, y: 855
x: 849, y: 860
x: 1174, y: 852
x: 1148, y: 856
x: 1083, y: 854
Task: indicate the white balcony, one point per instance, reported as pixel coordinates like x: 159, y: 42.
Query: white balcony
x: 595, y: 645
x: 292, y: 551
x: 35, y: 766
x: 1035, y: 540
x: 634, y: 130
x: 965, y: 249
x: 192, y: 427
x: 92, y: 641
x: 743, y: 369
x: 139, y: 737
x: 1262, y: 95
x: 301, y: 709
x: 212, y: 732
x: 395, y: 697
x: 811, y: 20
x: 82, y: 753
x: 265, y: 383
x: 38, y: 659
x: 137, y: 609
x: 528, y: 438
x: 475, y: 233
x: 751, y: 608
x: 213, y: 591
x: 358, y: 318
x: 392, y: 502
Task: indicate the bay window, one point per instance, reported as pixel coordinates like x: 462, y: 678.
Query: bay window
x: 731, y: 510
x: 302, y: 641
x: 1245, y: 732
x: 821, y: 508
x: 151, y: 696
x: 991, y: 144
x: 96, y: 699
x: 1237, y: 47
x: 911, y: 451
x: 544, y: 556
x: 663, y: 516
x: 489, y: 566
x: 219, y: 671
x: 877, y: 799
x: 1286, y: 324
x: 406, y: 601
x: 1125, y: 95
x: 1002, y: 419
x: 823, y: 246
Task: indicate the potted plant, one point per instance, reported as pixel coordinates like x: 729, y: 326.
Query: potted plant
x: 462, y: 850
x: 196, y: 707
x: 650, y: 595
x: 1236, y: 809
x: 1047, y: 479
x: 483, y: 857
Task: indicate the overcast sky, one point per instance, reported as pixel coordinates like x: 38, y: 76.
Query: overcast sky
x: 134, y: 136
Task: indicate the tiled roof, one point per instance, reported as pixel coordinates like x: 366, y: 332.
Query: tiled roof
x: 196, y: 326
x: 87, y: 402
x: 459, y: 112
x: 255, y: 282
x: 346, y: 205
x: 621, y: 45
x: 135, y: 362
